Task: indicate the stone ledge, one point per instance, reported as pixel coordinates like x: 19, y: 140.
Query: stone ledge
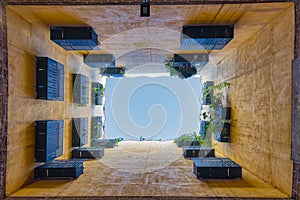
x: 140, y: 198
x: 135, y: 2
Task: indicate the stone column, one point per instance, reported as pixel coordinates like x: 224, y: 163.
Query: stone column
x: 3, y: 97
x: 296, y: 106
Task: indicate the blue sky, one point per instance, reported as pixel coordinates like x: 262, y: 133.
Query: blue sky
x: 153, y: 108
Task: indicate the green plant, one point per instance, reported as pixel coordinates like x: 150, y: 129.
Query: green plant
x: 99, y: 91
x: 169, y: 65
x: 184, y: 137
x: 102, y: 89
x: 193, y: 137
x: 97, y: 126
x: 203, y: 142
x: 215, y: 122
x: 117, y: 140
x: 216, y: 97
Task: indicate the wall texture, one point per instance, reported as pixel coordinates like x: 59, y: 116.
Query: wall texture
x: 296, y: 106
x: 3, y: 97
x: 132, y: 2
x: 260, y: 72
x: 297, y: 29
x: 23, y: 108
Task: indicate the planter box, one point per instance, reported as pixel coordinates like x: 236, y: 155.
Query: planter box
x: 113, y: 71
x: 186, y: 70
x: 191, y: 151
x: 96, y: 94
x: 198, y: 152
x: 88, y: 152
x: 206, y: 152
x: 49, y: 140
x: 203, y: 126
x: 81, y: 89
x: 60, y: 169
x: 79, y: 132
x: 99, y: 60
x: 199, y: 59
x: 188, y: 143
x: 223, y: 113
x: 106, y: 143
x: 96, y: 127
x: 49, y: 79
x: 207, y: 100
x: 224, y: 134
x: 74, y: 38
x: 208, y: 37
x: 216, y: 168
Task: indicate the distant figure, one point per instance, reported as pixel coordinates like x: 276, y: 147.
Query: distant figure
x: 142, y: 139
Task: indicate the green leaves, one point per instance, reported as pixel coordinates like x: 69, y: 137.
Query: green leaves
x: 216, y: 97
x: 215, y: 123
x: 102, y: 89
x: 220, y: 86
x: 169, y: 66
x: 97, y: 91
x: 186, y: 137
x: 203, y: 142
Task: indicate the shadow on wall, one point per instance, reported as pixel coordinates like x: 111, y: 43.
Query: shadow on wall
x: 26, y: 62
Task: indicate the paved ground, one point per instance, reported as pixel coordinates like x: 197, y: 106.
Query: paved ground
x: 148, y: 169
